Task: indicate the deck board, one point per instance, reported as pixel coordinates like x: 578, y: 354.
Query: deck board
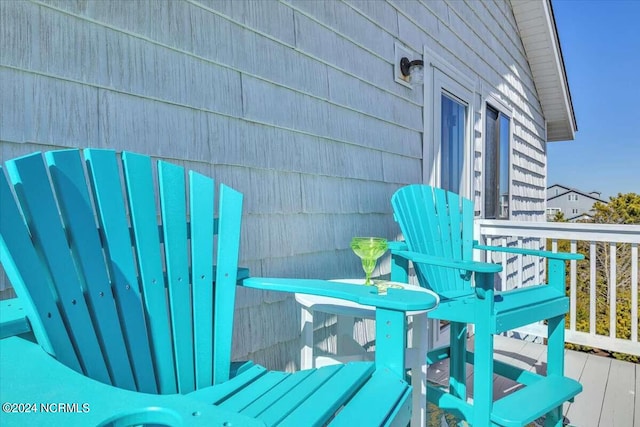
x: 636, y: 406
x: 611, y: 395
x: 619, y: 394
x: 586, y: 410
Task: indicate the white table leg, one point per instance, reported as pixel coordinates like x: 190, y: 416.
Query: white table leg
x: 420, y: 344
x: 344, y: 333
x: 306, y: 336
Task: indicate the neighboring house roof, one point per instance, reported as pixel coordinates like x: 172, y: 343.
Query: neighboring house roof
x: 582, y: 216
x: 573, y: 190
x: 539, y: 36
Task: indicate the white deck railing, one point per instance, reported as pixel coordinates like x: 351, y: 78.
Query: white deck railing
x: 603, y: 241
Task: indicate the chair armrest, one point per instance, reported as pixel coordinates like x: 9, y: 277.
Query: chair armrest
x: 395, y: 299
x: 13, y: 320
x: 565, y: 256
x: 474, y: 266
x: 397, y: 246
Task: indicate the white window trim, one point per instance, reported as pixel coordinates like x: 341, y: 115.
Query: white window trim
x: 494, y: 101
x: 437, y: 69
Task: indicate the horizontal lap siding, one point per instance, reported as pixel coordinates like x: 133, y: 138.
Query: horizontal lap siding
x: 291, y: 102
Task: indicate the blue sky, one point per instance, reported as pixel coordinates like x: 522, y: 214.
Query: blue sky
x: 601, y: 48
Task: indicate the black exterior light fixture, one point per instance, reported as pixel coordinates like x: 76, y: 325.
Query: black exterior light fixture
x: 412, y: 71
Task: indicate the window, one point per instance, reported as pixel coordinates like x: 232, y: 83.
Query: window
x: 449, y: 109
x: 496, y: 164
x: 453, y: 117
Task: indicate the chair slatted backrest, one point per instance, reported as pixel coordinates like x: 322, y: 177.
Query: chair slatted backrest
x: 107, y: 293
x: 438, y: 223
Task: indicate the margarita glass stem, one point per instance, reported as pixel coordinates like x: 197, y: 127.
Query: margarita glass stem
x: 368, y: 264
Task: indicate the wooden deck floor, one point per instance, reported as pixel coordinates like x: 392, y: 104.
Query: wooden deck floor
x: 611, y: 395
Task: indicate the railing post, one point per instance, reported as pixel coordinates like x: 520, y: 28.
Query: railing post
x: 612, y: 290
x: 573, y: 297
x: 592, y: 288
x: 634, y: 292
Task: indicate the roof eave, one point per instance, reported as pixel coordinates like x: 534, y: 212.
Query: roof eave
x: 539, y: 35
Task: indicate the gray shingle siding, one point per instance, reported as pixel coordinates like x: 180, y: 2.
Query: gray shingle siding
x: 292, y: 102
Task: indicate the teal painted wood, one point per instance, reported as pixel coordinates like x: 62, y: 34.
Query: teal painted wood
x: 243, y: 398
x: 144, y: 221
x: 31, y: 281
x: 220, y: 392
x: 285, y: 387
x: 458, y: 363
x: 172, y: 190
x: 13, y: 318
x: 401, y: 415
x: 391, y: 340
x: 68, y: 178
x: 370, y: 406
x: 201, y: 196
x: 31, y: 375
x: 287, y: 403
x: 29, y: 176
x: 395, y: 299
x: 491, y: 312
x: 106, y: 186
x: 229, y: 220
x: 333, y: 393
x: 519, y: 409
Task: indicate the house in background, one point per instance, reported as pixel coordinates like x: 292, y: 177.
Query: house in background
x: 575, y: 205
x: 299, y: 105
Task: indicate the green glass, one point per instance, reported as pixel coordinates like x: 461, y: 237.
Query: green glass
x: 369, y: 249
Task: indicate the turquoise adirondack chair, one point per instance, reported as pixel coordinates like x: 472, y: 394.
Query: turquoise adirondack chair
x: 117, y: 281
x: 438, y: 230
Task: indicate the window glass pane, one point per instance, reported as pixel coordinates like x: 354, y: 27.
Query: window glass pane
x: 452, y: 134
x: 504, y: 167
x: 490, y: 162
x: 496, y: 164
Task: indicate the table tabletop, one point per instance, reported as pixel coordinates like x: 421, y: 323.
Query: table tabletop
x: 349, y: 308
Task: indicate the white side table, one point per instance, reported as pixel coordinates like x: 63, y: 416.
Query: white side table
x: 417, y: 345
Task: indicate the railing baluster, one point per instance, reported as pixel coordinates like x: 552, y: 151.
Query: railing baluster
x: 612, y: 290
x: 592, y: 288
x: 519, y: 264
x: 634, y: 292
x: 573, y: 297
x: 554, y: 245
x: 504, y: 286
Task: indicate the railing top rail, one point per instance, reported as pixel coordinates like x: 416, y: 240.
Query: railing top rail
x: 618, y: 233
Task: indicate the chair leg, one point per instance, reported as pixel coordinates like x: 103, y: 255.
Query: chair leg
x: 457, y: 362
x: 555, y: 362
x: 553, y: 418
x: 555, y: 346
x: 482, y: 375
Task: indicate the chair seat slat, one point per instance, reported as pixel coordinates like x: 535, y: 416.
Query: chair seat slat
x: 245, y: 397
x: 289, y: 401
x: 374, y: 403
x: 285, y: 386
x: 333, y: 393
